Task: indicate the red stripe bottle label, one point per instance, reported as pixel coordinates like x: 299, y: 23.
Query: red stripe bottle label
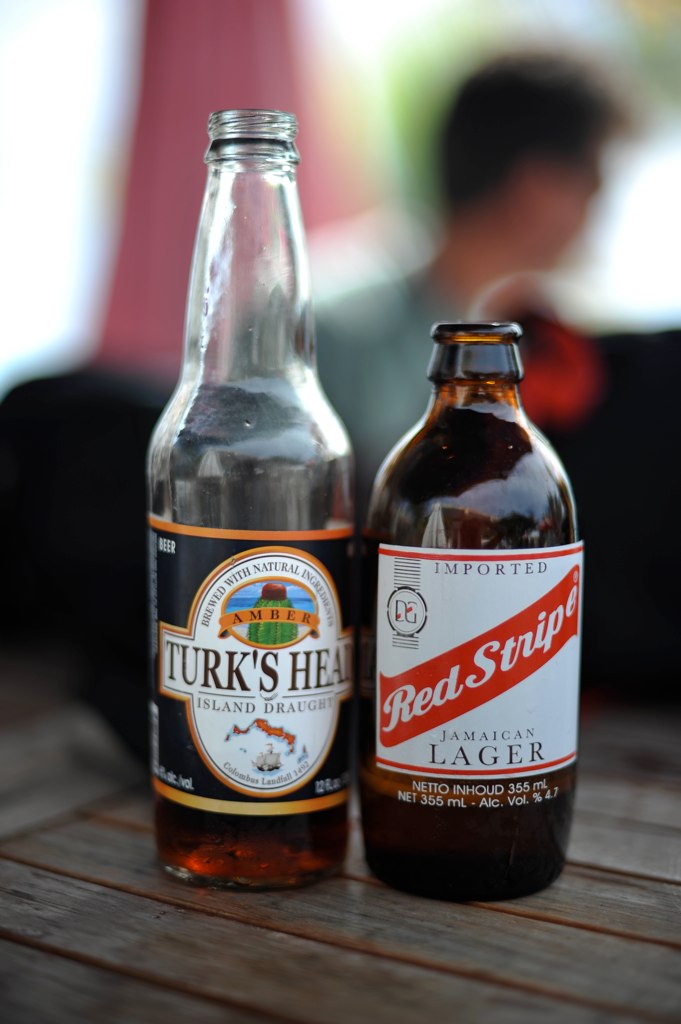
x: 477, y: 668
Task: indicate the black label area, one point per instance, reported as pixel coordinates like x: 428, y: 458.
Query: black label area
x: 251, y: 668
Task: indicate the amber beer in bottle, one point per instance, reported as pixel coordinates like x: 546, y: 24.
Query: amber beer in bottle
x: 250, y: 529
x: 469, y: 714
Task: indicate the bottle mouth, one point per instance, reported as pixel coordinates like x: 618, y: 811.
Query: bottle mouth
x: 482, y: 331
x: 475, y: 351
x: 244, y: 125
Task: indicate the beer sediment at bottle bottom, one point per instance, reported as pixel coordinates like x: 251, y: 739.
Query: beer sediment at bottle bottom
x: 469, y: 695
x: 250, y: 490
x: 268, y: 852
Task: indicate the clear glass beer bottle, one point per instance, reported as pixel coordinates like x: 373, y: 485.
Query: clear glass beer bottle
x: 470, y: 695
x: 251, y: 514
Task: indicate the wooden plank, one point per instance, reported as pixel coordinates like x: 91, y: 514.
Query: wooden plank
x: 33, y: 684
x: 583, y: 897
x: 633, y: 741
x: 132, y: 809
x: 44, y: 988
x: 629, y: 847
x: 596, y: 900
x: 635, y: 800
x: 206, y: 955
x: 52, y: 766
x: 594, y: 969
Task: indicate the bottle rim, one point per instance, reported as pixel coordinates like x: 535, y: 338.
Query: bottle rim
x: 481, y: 331
x: 276, y: 125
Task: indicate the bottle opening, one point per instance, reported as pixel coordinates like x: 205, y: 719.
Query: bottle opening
x: 275, y: 125
x: 479, y: 351
x: 476, y: 331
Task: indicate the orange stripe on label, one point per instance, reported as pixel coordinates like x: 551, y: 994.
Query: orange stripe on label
x: 269, y: 807
x: 333, y: 533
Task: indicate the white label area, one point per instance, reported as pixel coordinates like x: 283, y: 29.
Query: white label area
x: 262, y: 667
x: 477, y: 660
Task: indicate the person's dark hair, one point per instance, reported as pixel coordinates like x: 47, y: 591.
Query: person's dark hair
x: 518, y: 106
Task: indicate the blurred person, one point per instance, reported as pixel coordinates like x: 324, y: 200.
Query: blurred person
x: 519, y: 161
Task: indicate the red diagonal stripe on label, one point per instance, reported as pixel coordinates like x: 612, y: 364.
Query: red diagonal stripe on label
x: 480, y: 669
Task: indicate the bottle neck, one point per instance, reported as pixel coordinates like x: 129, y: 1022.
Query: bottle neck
x: 477, y: 374
x: 248, y: 308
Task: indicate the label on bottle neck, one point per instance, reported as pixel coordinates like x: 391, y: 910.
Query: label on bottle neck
x: 252, y: 652
x: 477, y: 660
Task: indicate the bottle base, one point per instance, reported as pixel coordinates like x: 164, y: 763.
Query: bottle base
x: 460, y: 882
x: 244, y: 883
x: 249, y: 853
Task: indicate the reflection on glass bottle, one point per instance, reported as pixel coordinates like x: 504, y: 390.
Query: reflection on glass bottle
x: 470, y: 684
x: 250, y: 489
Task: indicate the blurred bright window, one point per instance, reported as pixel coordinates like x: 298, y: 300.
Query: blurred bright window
x: 68, y: 78
x: 375, y: 71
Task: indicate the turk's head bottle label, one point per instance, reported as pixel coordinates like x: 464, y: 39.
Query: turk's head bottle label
x: 477, y: 660
x: 261, y: 668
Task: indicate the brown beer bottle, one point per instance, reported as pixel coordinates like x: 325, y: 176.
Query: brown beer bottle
x: 251, y: 521
x: 469, y: 706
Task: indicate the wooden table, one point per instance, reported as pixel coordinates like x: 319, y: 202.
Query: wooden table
x: 92, y: 930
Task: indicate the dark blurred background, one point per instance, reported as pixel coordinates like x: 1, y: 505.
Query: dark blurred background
x: 103, y: 110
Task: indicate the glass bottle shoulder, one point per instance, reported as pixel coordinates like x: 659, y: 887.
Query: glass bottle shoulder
x: 473, y: 477
x: 262, y: 453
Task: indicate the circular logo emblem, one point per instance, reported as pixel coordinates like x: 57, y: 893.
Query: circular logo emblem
x: 407, y: 612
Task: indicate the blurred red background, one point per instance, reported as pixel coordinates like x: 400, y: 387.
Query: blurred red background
x: 198, y: 57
